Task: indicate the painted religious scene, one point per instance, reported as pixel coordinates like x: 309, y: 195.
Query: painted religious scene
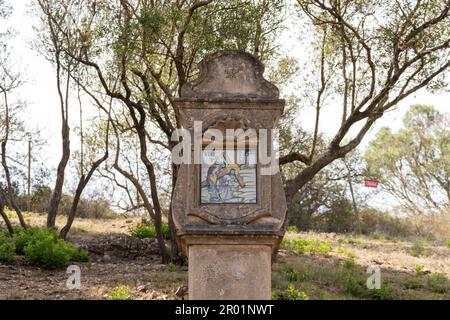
x: 228, y: 176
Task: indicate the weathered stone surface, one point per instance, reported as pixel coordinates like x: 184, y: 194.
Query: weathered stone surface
x: 230, y: 74
x: 229, y: 272
x: 121, y: 246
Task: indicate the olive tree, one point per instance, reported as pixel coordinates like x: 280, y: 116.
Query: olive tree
x: 370, y: 55
x: 414, y: 163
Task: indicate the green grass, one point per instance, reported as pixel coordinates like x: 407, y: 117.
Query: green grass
x: 292, y: 229
x: 291, y: 274
x: 438, y: 283
x: 354, y: 282
x: 413, y: 283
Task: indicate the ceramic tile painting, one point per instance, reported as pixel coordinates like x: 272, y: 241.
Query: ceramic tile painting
x: 228, y: 176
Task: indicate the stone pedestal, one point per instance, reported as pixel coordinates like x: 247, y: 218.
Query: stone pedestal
x: 229, y: 267
x: 229, y: 272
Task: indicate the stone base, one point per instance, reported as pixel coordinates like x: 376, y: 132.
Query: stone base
x: 229, y: 272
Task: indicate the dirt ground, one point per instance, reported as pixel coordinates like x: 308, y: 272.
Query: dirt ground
x: 318, y: 275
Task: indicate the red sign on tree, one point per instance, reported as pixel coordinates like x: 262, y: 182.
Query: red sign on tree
x: 371, y: 183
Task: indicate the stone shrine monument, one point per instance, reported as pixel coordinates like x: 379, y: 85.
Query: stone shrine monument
x: 229, y: 204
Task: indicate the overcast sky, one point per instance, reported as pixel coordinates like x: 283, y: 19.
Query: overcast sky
x: 43, y: 110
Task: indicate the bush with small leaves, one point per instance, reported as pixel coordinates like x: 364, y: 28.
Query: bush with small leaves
x: 22, y: 237
x: 43, y: 248
x: 349, y: 264
x: 4, y: 232
x: 292, y: 229
x: 291, y: 293
x: 144, y: 230
x: 81, y: 256
x: 342, y: 250
x: 171, y: 267
x: 47, y: 253
x: 384, y: 293
x: 419, y: 270
x: 296, y: 245
x: 120, y: 293
x: 7, y: 249
x: 355, y: 286
x: 302, y: 246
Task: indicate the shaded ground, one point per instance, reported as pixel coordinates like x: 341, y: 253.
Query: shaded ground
x: 339, y: 273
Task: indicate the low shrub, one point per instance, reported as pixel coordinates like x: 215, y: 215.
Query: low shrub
x: 419, y: 270
x: 292, y: 229
x: 43, y: 248
x: 120, y: 293
x: 143, y: 231
x: 349, y: 264
x: 291, y: 293
x: 80, y: 255
x: 384, y: 293
x: 4, y: 232
x: 355, y: 286
x: 7, y: 249
x: 342, y: 250
x: 47, y: 253
x: 171, y: 267
x: 24, y: 236
x: 302, y: 246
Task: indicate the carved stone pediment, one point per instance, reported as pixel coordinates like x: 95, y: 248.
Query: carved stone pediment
x: 230, y: 74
